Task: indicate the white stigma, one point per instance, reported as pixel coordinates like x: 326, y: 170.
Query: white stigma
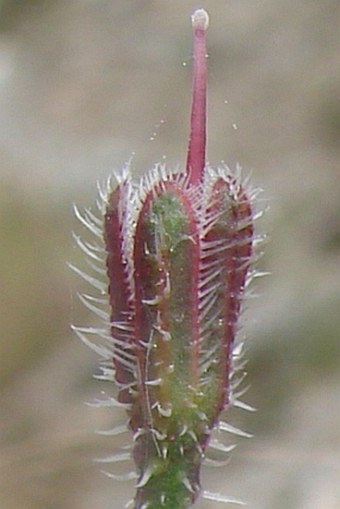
x: 200, y: 19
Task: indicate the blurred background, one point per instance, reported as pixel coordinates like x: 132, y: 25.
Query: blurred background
x: 84, y: 85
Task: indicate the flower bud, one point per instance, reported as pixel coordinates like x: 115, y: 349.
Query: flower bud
x: 178, y: 249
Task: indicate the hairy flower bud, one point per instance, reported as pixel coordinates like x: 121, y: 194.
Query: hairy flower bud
x: 178, y: 247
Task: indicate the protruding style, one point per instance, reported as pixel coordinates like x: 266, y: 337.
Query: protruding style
x: 197, y: 139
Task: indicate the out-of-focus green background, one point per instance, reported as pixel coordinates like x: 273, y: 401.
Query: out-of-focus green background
x: 83, y: 85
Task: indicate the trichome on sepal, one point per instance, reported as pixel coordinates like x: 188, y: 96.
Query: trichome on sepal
x: 177, y: 247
